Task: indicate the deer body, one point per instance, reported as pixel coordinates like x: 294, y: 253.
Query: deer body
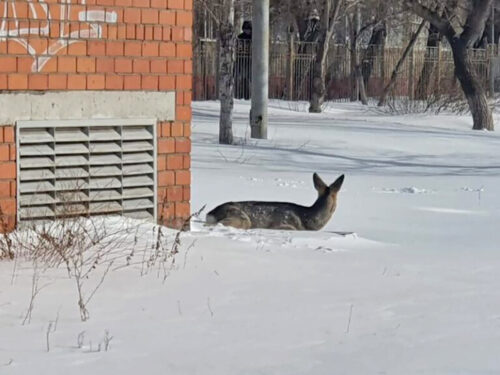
x: 280, y: 215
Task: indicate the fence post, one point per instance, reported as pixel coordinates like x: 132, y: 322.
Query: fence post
x: 491, y: 70
x: 290, y: 66
x: 381, y: 55
x: 411, y: 75
x: 217, y: 48
x: 438, y: 86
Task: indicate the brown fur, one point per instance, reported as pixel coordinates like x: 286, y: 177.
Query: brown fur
x: 280, y: 215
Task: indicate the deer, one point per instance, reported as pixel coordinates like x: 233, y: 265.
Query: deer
x: 280, y: 215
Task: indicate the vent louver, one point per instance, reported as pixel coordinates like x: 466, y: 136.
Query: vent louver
x: 91, y: 167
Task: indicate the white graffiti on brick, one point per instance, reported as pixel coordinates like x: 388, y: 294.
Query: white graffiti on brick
x: 61, y: 15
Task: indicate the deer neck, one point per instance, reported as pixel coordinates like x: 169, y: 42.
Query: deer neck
x: 320, y: 212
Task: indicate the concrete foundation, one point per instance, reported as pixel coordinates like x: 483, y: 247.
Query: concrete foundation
x: 76, y: 105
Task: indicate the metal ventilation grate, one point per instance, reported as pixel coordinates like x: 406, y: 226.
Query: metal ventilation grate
x: 86, y: 167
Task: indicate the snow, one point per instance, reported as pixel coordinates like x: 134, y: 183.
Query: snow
x: 403, y: 280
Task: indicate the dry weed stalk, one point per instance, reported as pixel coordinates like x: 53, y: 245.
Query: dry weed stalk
x: 90, y: 246
x: 6, y: 247
x: 164, y: 248
x: 84, y: 246
x: 451, y: 100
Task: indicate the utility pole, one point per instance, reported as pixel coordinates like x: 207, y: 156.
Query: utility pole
x: 260, y: 69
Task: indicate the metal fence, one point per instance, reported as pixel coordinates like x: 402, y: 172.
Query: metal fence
x: 426, y: 71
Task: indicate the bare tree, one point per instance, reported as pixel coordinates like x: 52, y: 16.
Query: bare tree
x: 227, y: 51
x: 380, y: 14
x: 399, y: 64
x: 328, y: 18
x: 222, y: 12
x: 367, y: 32
x: 354, y: 19
x: 430, y: 62
x: 360, y: 21
x: 461, y: 36
x: 295, y: 15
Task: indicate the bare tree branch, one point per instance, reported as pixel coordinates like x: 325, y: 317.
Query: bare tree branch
x: 476, y: 19
x: 333, y: 18
x: 209, y: 10
x: 441, y: 23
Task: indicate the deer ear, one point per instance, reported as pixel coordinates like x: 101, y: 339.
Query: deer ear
x: 319, y: 184
x: 335, y: 187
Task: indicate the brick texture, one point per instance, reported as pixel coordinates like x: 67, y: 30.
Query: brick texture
x: 174, y: 176
x: 140, y: 45
x: 8, y: 172
x: 157, y: 31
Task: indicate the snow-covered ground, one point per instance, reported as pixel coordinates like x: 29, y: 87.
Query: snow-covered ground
x: 403, y: 280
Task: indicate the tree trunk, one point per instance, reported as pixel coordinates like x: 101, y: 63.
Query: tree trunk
x: 375, y: 44
x: 290, y: 65
x: 430, y: 62
x: 318, y: 91
x: 238, y: 17
x: 473, y: 89
x: 355, y: 23
x: 354, y: 78
x: 361, y: 86
x: 227, y: 44
x: 398, y: 66
x: 327, y: 22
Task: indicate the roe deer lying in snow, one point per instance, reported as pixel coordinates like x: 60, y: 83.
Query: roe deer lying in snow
x: 280, y: 215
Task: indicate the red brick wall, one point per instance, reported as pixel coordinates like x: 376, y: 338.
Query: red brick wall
x: 104, y: 45
x: 7, y: 178
x: 174, y: 177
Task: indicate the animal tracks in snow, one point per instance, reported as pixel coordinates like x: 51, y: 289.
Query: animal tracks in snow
x: 418, y: 190
x: 280, y: 182
x: 403, y: 190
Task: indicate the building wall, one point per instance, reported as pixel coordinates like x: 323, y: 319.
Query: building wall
x: 7, y: 178
x: 141, y: 47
